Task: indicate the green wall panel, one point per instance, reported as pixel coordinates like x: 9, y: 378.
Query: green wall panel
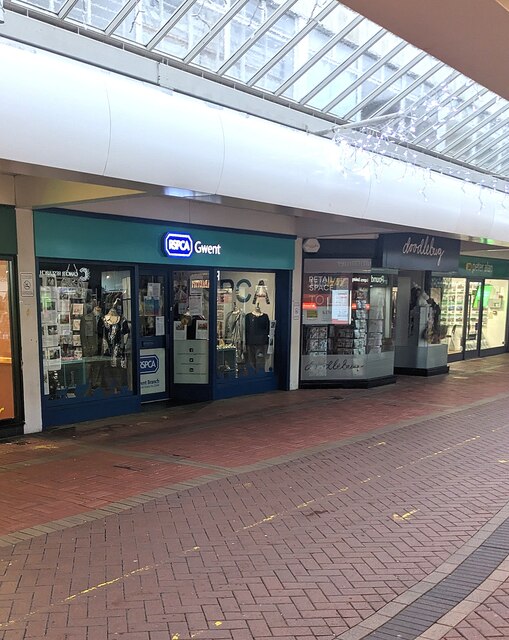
x: 63, y: 234
x: 8, y: 240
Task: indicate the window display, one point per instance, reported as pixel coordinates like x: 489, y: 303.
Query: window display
x: 86, y: 328
x: 246, y: 324
x: 453, y: 312
x: 6, y: 364
x: 191, y: 327
x: 151, y: 306
x: 347, y: 324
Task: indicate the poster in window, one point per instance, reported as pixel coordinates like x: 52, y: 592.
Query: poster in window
x: 341, y: 308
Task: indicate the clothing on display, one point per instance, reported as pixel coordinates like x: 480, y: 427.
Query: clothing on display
x: 116, y: 332
x: 261, y: 293
x: 234, y: 332
x: 257, y: 328
x: 257, y: 338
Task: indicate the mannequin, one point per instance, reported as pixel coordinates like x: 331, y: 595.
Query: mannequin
x: 261, y: 292
x: 257, y: 325
x: 115, y: 336
x: 235, y: 331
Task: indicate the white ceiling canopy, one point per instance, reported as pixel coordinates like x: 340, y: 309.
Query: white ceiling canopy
x: 314, y: 54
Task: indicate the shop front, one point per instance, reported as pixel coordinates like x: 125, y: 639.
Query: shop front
x: 474, y: 307
x: 419, y: 344
x: 133, y: 312
x: 347, y: 316
x: 10, y: 375
x: 367, y: 312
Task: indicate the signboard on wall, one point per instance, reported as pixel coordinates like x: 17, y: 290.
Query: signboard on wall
x: 420, y: 252
x: 152, y: 371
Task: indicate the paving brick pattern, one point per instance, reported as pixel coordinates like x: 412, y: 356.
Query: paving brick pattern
x: 297, y: 548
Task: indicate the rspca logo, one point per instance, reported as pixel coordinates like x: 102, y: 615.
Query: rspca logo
x: 178, y: 245
x: 149, y: 364
x: 181, y: 245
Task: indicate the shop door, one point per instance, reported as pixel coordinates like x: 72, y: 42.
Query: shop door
x: 473, y: 325
x: 153, y: 338
x: 191, y: 334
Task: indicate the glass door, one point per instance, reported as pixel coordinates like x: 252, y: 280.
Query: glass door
x: 191, y: 334
x: 473, y: 318
x: 153, y: 337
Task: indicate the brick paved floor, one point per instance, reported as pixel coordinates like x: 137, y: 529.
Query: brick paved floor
x: 290, y: 515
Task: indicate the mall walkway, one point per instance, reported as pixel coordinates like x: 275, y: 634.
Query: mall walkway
x: 329, y: 514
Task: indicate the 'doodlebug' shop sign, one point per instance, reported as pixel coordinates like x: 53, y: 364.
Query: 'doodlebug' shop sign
x: 417, y: 251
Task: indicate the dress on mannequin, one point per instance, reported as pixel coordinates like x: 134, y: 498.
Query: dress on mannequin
x: 257, y: 337
x: 115, y: 336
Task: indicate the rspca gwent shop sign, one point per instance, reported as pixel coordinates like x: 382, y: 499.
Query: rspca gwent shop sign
x: 182, y: 245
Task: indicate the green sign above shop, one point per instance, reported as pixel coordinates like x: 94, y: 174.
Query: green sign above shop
x: 76, y: 236
x: 472, y: 266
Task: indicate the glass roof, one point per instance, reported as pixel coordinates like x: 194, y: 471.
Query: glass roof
x: 317, y: 54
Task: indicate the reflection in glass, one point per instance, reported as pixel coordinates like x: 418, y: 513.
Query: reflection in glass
x: 494, y: 318
x: 6, y: 367
x: 453, y: 313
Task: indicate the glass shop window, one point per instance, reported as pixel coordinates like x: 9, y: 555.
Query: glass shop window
x: 494, y: 318
x: 86, y: 326
x: 6, y: 365
x: 246, y: 324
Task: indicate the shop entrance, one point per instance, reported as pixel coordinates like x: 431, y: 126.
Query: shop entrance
x: 174, y: 333
x: 474, y: 316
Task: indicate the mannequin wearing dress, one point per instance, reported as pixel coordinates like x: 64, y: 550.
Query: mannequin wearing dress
x: 115, y: 336
x: 257, y: 326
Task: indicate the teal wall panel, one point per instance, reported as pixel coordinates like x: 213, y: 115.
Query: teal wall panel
x: 63, y: 234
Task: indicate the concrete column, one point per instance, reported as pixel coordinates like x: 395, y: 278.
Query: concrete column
x: 29, y: 325
x: 296, y: 317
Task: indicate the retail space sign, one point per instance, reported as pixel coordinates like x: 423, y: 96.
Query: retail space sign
x: 152, y: 371
x: 420, y: 252
x: 326, y: 299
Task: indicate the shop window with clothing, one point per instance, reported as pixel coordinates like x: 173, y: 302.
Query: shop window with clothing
x: 347, y: 325
x: 246, y: 324
x: 85, y: 319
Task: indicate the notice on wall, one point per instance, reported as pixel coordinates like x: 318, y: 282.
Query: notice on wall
x: 26, y: 284
x: 196, y: 304
x: 160, y: 327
